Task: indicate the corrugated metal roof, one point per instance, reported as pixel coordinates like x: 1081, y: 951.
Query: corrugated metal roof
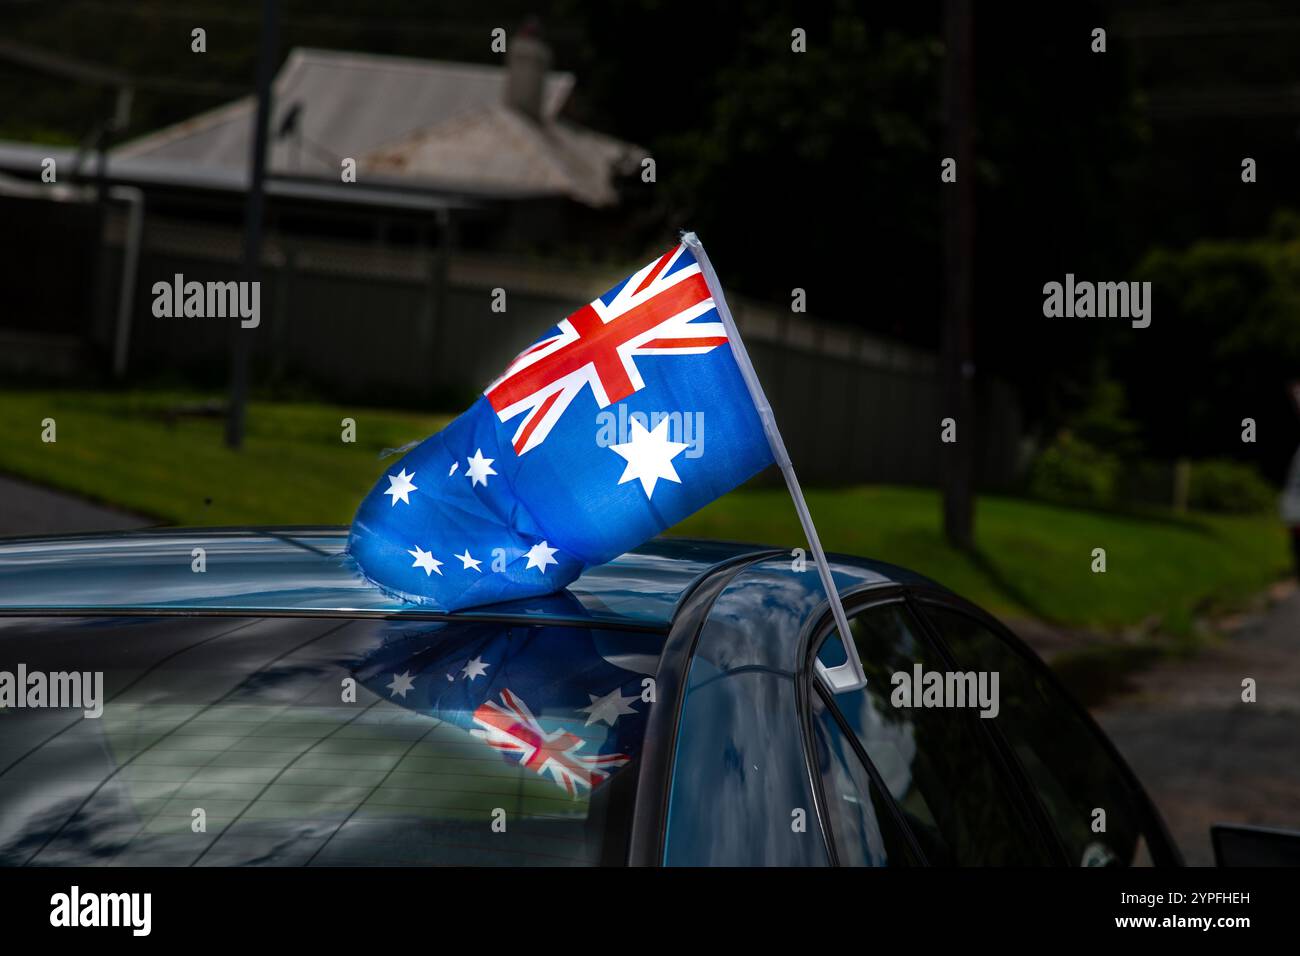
x: 498, y: 148
x: 351, y: 104
x: 427, y: 123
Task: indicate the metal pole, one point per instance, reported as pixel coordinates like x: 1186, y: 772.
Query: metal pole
x: 850, y: 675
x: 100, y: 332
x: 241, y: 344
x: 959, y: 231
x: 130, y: 268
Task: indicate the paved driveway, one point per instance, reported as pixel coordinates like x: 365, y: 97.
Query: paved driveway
x: 1204, y: 755
x: 31, y: 509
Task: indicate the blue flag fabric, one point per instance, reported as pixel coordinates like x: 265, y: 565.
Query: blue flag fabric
x: 563, y: 702
x: 619, y: 422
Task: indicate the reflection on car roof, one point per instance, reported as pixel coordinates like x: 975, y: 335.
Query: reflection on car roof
x: 294, y: 570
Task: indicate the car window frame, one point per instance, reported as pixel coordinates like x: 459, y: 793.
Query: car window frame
x: 819, y: 626
x: 647, y: 841
x: 1164, y: 854
x: 1025, y: 806
x: 818, y: 775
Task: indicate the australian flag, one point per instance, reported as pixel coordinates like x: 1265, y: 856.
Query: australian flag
x: 566, y: 703
x: 616, y: 424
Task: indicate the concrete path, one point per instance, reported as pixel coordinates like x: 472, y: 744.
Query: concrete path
x: 1204, y: 755
x: 30, y: 509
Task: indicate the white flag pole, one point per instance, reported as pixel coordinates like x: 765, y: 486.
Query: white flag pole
x: 849, y: 675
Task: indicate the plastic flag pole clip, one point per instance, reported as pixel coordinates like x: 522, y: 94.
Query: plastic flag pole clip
x: 849, y: 675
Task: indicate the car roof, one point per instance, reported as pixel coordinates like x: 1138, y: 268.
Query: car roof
x: 295, y: 570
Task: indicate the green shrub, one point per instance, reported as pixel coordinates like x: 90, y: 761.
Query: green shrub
x: 1071, y: 470
x: 1229, y: 487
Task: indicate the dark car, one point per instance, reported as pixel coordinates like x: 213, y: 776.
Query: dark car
x: 261, y: 703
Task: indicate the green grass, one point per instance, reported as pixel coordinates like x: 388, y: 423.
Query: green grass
x: 120, y: 449
x: 1034, y: 559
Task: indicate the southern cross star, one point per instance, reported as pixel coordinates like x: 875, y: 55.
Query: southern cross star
x: 479, y: 468
x: 474, y: 668
x: 540, y: 555
x: 608, y: 708
x: 649, y: 456
x: 399, y: 486
x: 469, y: 561
x: 426, y: 561
x: 400, y: 684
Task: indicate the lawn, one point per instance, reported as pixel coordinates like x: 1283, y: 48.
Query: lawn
x: 1034, y: 559
x: 125, y: 449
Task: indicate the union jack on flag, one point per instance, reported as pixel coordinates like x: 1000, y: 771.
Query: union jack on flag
x: 579, y: 452
x: 653, y: 312
x: 511, y: 728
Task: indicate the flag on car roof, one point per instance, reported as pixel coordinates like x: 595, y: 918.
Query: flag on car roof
x: 617, y: 423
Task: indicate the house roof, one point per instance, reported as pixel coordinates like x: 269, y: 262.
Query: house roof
x: 440, y: 123
x: 351, y: 103
x: 497, y: 149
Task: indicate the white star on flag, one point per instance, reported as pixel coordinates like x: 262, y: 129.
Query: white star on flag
x: 475, y: 668
x: 649, y: 456
x: 400, y: 684
x: 540, y: 555
x: 469, y: 561
x: 426, y: 560
x: 399, y: 486
x: 479, y: 468
x: 608, y: 708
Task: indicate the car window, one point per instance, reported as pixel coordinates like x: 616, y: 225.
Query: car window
x: 863, y: 830
x: 321, y: 742
x: 1072, y: 771
x: 933, y: 759
x: 740, y: 792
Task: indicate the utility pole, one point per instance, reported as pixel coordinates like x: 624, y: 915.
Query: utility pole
x: 958, y: 253
x: 254, y: 206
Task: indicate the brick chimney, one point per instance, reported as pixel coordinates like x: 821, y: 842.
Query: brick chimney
x: 527, y: 60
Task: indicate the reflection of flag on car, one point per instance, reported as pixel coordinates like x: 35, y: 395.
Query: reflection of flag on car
x: 510, y: 727
x: 543, y: 697
x: 530, y: 486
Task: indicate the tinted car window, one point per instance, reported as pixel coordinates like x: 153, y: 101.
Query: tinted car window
x: 934, y: 761
x: 739, y: 774
x: 322, y: 741
x: 1072, y: 771
x: 862, y: 828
